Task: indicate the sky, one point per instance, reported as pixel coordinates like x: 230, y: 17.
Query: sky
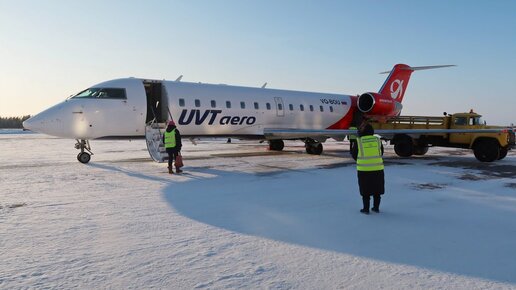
x: 52, y: 49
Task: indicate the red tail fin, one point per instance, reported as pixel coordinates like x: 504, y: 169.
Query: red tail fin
x: 396, y: 83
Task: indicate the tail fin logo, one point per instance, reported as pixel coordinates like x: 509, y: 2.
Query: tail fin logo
x: 396, y: 89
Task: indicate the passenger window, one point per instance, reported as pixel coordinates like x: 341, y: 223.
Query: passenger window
x: 280, y: 107
x: 256, y: 106
x: 301, y: 108
x: 291, y: 107
x: 268, y: 105
x: 228, y: 104
x: 181, y: 102
x: 242, y: 105
x: 197, y: 103
x: 213, y: 103
x: 311, y: 108
x: 331, y: 109
x: 321, y: 108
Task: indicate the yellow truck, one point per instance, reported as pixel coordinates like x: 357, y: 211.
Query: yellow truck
x: 460, y: 130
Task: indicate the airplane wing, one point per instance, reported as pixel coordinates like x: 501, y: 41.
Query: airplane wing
x: 271, y: 134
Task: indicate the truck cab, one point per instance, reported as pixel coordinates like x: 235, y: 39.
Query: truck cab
x: 464, y: 121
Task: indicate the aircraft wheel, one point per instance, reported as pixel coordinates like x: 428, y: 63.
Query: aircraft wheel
x: 318, y: 149
x: 315, y: 149
x: 84, y: 157
x: 503, y: 153
x: 487, y: 150
x: 276, y: 145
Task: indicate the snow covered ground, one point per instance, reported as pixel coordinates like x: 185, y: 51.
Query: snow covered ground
x: 245, y: 217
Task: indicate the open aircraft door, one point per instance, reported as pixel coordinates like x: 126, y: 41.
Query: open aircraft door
x: 158, y: 113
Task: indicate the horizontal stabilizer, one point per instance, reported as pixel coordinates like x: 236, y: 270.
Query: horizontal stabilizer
x: 414, y: 68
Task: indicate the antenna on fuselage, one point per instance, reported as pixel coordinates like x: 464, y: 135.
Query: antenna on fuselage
x: 179, y: 78
x: 264, y: 85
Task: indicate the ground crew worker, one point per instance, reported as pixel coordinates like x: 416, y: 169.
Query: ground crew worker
x: 370, y: 168
x: 172, y: 141
x: 352, y: 139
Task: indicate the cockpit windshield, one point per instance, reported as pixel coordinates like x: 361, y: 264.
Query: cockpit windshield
x: 101, y: 93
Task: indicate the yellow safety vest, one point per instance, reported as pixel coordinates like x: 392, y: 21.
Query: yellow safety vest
x: 369, y: 154
x: 170, y: 139
x: 352, y: 136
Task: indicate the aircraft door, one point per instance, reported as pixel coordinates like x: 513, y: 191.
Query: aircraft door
x: 165, y: 108
x: 280, y: 109
x: 156, y: 102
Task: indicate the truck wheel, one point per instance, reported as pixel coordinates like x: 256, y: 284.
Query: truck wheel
x: 404, y: 147
x: 487, y: 150
x: 503, y: 153
x: 420, y: 150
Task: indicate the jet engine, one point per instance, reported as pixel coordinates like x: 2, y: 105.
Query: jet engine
x: 374, y: 104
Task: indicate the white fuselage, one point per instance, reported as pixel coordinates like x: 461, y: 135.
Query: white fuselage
x: 198, y: 110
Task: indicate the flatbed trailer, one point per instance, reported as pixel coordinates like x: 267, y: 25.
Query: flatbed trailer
x: 487, y: 146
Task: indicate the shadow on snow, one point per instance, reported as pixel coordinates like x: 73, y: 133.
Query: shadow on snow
x: 441, y: 230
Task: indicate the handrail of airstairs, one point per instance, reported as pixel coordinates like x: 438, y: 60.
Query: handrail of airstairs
x: 153, y: 124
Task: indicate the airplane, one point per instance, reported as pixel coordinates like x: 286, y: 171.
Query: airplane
x: 135, y: 108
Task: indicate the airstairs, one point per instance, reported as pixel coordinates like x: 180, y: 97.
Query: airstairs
x: 154, y: 135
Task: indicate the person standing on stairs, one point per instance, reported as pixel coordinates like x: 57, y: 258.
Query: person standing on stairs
x: 172, y: 142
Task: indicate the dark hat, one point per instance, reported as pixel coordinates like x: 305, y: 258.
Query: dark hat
x: 366, y: 130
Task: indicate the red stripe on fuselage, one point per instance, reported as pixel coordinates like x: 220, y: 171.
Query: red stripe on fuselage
x: 346, y: 120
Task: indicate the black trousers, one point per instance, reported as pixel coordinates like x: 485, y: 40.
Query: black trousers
x: 371, y: 183
x: 366, y: 200
x: 172, y: 154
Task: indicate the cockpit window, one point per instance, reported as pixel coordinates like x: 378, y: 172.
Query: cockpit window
x: 102, y: 93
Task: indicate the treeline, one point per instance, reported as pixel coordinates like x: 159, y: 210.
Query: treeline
x: 12, y: 122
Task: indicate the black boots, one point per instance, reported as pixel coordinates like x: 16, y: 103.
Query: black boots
x: 178, y: 170
x: 376, y: 203
x: 366, y: 200
x: 170, y: 171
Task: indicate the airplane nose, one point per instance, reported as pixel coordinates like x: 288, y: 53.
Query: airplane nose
x: 53, y: 121
x: 29, y: 124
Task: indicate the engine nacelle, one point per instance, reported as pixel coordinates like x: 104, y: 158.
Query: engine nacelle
x: 374, y: 104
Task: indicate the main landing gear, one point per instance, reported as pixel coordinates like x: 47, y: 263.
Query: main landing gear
x: 313, y: 147
x: 83, y: 145
x: 276, y: 145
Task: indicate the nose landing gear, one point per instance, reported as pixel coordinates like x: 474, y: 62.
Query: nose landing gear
x: 83, y: 145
